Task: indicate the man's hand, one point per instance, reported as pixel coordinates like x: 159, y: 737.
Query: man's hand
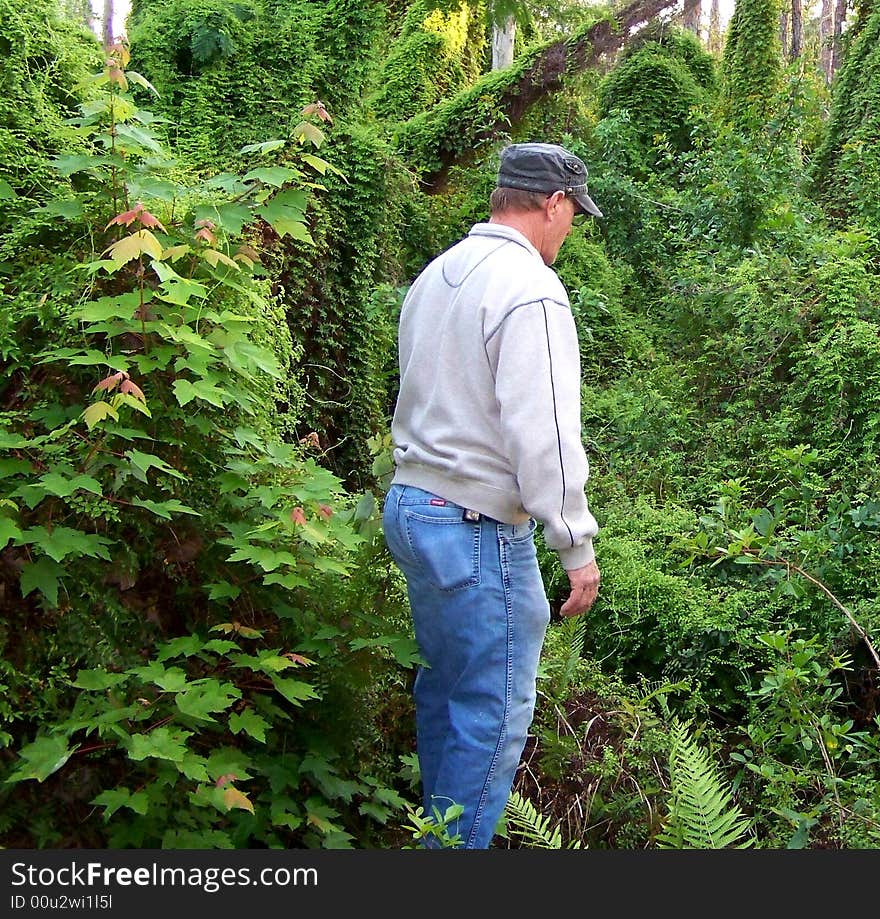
x: 584, y: 588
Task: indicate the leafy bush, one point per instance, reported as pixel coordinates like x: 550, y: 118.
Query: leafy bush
x: 145, y: 479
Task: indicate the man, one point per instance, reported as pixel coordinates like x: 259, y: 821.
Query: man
x: 487, y: 441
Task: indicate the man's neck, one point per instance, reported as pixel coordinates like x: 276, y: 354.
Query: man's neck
x: 524, y: 222
x: 529, y: 223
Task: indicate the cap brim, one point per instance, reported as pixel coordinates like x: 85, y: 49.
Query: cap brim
x: 587, y: 204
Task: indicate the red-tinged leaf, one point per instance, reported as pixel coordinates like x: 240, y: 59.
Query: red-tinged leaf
x: 139, y: 213
x: 206, y: 235
x: 110, y: 383
x: 311, y: 440
x: 323, y: 509
x: 133, y: 390
x: 148, y: 220
x: 232, y: 797
x: 205, y: 222
x: 298, y: 659
x: 126, y: 218
x: 317, y: 108
x: 248, y: 255
x: 117, y: 76
x: 224, y: 779
x: 298, y: 516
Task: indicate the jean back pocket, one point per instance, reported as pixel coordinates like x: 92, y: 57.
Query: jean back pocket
x: 445, y: 546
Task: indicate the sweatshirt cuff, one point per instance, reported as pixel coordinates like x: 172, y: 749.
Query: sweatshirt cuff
x: 577, y: 556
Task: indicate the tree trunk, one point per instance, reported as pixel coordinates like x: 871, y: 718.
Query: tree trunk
x: 691, y: 15
x: 826, y: 37
x: 837, y: 43
x: 449, y: 132
x: 797, y: 29
x: 715, y: 38
x: 783, y: 31
x: 107, y: 35
x: 503, y: 36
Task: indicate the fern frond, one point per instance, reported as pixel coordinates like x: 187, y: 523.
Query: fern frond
x: 575, y: 631
x: 659, y: 689
x: 524, y: 819
x: 702, y: 814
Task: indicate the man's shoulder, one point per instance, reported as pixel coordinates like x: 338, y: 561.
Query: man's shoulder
x: 514, y: 272
x: 496, y: 269
x: 528, y: 280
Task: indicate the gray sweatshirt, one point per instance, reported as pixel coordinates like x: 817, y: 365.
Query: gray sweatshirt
x: 488, y: 414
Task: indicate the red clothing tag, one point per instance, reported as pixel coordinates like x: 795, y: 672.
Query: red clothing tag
x: 438, y: 502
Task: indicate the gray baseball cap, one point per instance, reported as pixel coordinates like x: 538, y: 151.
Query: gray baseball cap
x: 546, y: 168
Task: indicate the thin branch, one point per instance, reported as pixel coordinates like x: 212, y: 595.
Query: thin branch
x: 784, y: 563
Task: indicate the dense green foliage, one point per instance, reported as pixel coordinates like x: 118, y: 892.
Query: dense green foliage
x: 847, y: 168
x: 659, y: 80
x: 42, y: 57
x: 202, y: 633
x: 752, y: 62
x: 148, y: 494
x: 435, y: 55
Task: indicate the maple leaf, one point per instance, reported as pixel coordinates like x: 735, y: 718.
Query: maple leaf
x: 298, y: 516
x: 97, y: 412
x: 148, y: 220
x: 205, y: 234
x: 116, y: 75
x: 311, y: 440
x: 305, y: 130
x: 323, y: 509
x: 126, y: 218
x: 139, y: 213
x: 118, y: 54
x: 110, y: 383
x: 298, y: 658
x: 134, y: 246
x: 317, y: 108
x: 133, y: 389
x: 250, y: 252
x: 223, y: 779
x: 213, y: 256
x: 175, y: 252
x: 232, y: 797
x: 247, y: 255
x: 237, y: 627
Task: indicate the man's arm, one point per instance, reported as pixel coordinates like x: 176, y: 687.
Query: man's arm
x: 537, y: 383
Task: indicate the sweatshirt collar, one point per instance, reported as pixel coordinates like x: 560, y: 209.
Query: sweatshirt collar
x: 502, y: 231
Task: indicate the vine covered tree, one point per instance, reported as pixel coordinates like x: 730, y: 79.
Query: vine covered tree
x: 752, y: 58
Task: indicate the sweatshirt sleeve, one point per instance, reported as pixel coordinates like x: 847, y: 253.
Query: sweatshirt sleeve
x: 538, y: 388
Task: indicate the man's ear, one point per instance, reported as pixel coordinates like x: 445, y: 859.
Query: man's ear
x: 554, y: 202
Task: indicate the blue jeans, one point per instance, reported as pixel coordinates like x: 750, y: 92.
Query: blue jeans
x: 480, y: 614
